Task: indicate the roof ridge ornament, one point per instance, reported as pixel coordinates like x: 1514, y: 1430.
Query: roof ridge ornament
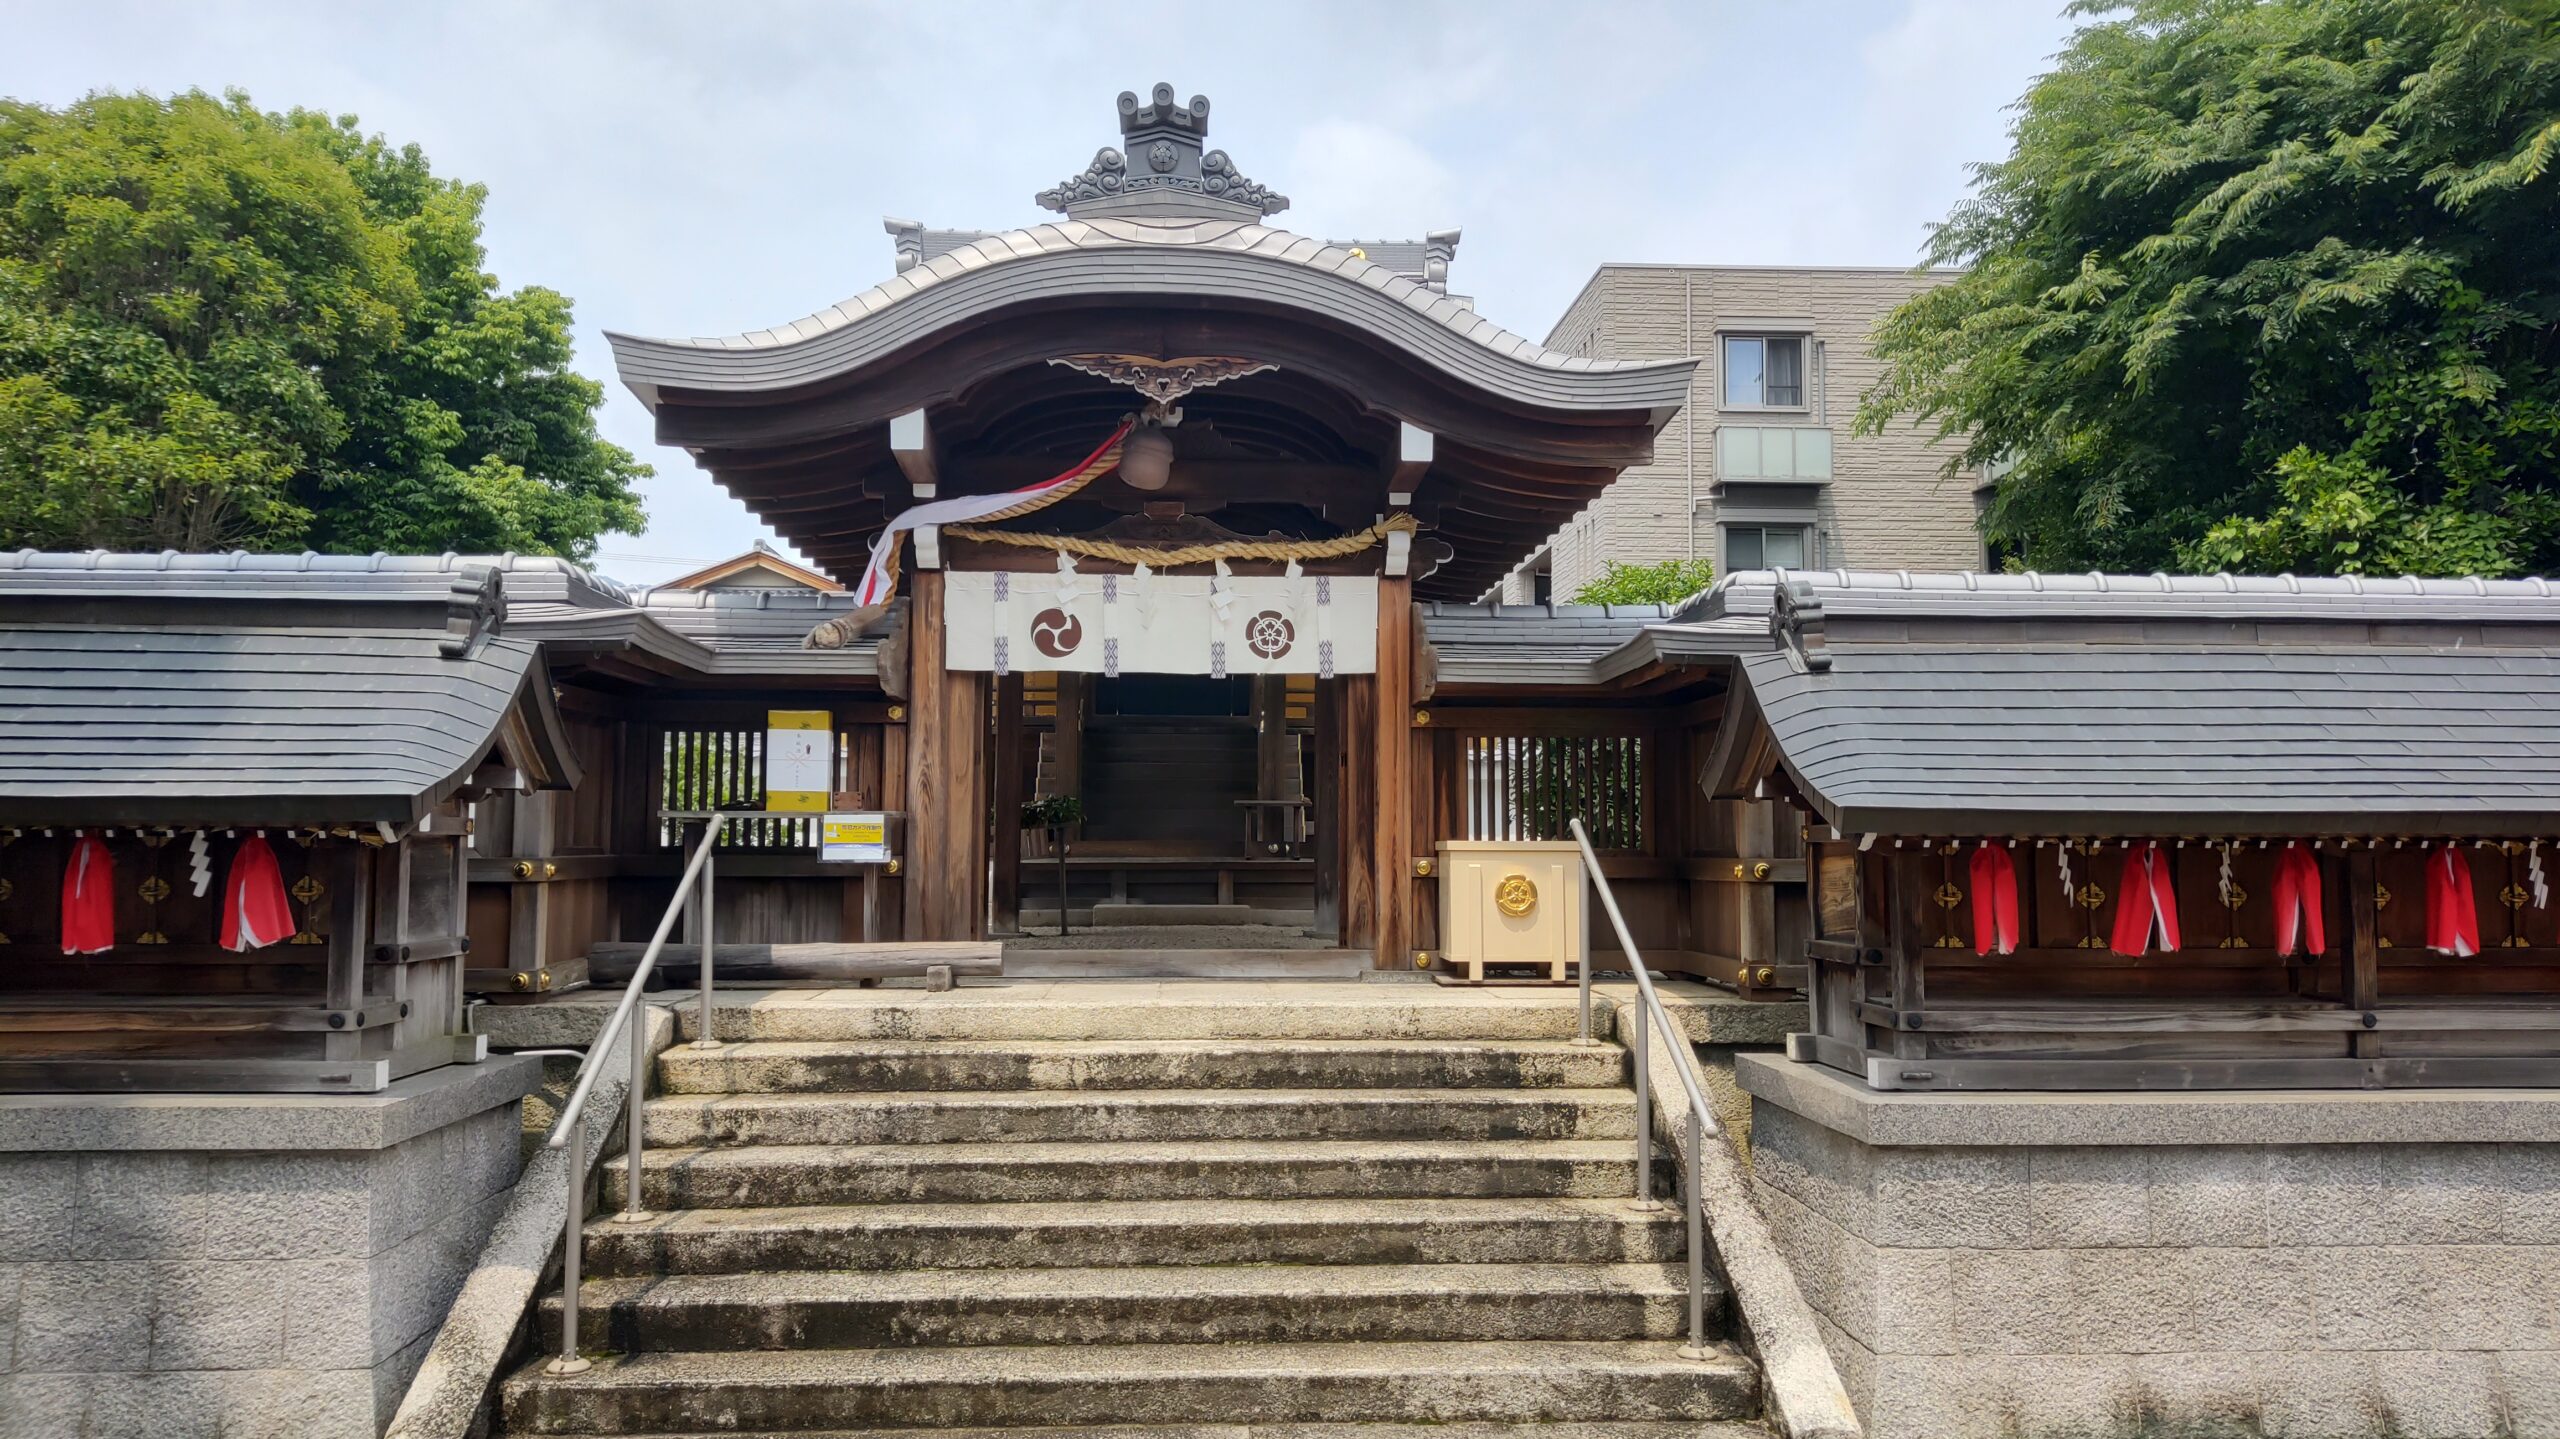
x: 1796, y: 621
x: 1165, y: 172
x: 475, y: 608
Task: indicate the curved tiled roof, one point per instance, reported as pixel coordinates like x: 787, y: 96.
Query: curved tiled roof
x: 1226, y: 259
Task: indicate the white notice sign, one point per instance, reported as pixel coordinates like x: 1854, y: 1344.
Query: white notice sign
x: 1321, y: 625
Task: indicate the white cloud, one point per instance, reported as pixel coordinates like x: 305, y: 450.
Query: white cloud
x: 1367, y: 182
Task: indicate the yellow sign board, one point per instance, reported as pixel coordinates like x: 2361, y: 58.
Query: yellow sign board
x: 799, y: 759
x: 854, y: 839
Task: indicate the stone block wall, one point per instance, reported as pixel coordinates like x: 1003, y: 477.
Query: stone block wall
x: 2236, y: 1284
x: 178, y: 1293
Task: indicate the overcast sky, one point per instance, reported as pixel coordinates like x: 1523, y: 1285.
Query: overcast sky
x: 694, y: 168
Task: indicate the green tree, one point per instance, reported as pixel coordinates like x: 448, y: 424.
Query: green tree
x: 221, y: 326
x: 1666, y: 583
x: 2263, y: 284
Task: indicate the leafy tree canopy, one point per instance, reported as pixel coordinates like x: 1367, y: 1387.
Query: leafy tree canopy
x: 1669, y: 582
x: 2263, y: 285
x: 220, y: 326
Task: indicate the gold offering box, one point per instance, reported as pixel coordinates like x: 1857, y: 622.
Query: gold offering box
x: 1512, y: 902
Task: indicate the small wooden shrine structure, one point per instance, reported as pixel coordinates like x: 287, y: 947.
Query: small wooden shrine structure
x: 2118, y: 832
x: 166, y: 721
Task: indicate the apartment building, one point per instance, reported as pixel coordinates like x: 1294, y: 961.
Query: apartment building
x: 1761, y: 468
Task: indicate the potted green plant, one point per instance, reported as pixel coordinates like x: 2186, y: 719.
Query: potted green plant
x: 1056, y: 814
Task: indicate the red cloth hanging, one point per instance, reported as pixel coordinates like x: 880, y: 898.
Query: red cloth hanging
x: 2145, y: 902
x: 2298, y: 901
x: 2453, y: 918
x: 89, y: 897
x: 254, y: 911
x: 1995, y: 900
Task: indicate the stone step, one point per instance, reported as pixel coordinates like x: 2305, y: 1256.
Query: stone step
x: 1179, y: 1231
x: 1530, y: 1381
x: 986, y: 1116
x: 1162, y: 1304
x: 870, y: 1066
x: 765, y: 1176
x: 1136, y: 1010
x: 1596, y: 1430
x: 1108, y: 913
x: 1720, y: 1429
x: 1024, y: 962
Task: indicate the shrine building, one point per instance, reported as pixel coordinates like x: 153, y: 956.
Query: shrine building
x: 2062, y: 1004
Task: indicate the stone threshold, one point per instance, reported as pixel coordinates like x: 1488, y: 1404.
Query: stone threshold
x: 110, y: 1123
x: 1840, y: 1103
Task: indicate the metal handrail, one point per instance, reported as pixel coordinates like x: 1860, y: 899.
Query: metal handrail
x: 1701, y: 1126
x: 569, y: 1131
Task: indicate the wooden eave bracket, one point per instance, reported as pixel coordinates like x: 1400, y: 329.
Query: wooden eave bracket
x: 1413, y: 461
x: 911, y: 443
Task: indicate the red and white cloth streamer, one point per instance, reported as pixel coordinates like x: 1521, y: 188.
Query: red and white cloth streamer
x: 2146, y: 903
x: 1995, y: 900
x: 2298, y: 901
x: 254, y: 911
x: 2453, y: 917
x: 89, y: 897
x: 880, y: 577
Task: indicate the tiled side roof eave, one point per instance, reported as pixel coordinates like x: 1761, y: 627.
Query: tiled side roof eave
x: 2346, y: 740
x: 1914, y: 595
x: 187, y: 726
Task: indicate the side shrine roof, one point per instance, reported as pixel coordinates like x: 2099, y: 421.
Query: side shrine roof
x: 2020, y: 705
x: 744, y: 633
x: 1566, y: 645
x: 188, y: 694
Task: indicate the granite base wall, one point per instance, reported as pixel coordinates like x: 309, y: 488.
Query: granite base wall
x: 2402, y: 1277
x: 250, y: 1287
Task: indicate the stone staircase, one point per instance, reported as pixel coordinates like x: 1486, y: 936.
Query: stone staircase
x: 1134, y: 1232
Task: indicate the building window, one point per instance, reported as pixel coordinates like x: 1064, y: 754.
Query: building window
x: 1764, y: 372
x: 1763, y: 547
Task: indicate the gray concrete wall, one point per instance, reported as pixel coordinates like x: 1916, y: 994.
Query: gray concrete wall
x: 2300, y: 1264
x: 183, y: 1266
x: 1887, y: 506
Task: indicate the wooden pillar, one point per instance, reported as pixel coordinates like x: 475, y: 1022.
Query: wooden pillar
x: 1755, y: 835
x: 1391, y: 852
x: 946, y: 857
x: 1356, y: 809
x: 2364, y: 951
x: 1906, y: 958
x: 884, y: 895
x: 348, y: 868
x: 1066, y: 744
x: 1431, y: 772
x: 1328, y: 813
x: 1005, y: 823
